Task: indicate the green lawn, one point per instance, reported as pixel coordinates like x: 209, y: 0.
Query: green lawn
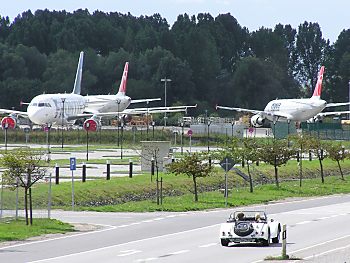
x: 11, y: 229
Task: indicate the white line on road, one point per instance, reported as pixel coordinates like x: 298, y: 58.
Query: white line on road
x: 327, y: 252
x: 128, y: 252
x: 122, y: 244
x: 145, y: 260
x: 303, y: 223
x: 208, y: 245
x: 179, y: 252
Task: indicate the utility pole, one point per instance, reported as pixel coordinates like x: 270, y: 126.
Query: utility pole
x: 165, y: 80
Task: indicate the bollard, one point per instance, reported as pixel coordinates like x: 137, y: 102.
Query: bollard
x: 172, y: 159
x: 84, y: 173
x: 130, y: 168
x: 57, y: 170
x: 284, y: 242
x: 310, y: 155
x: 298, y: 156
x: 108, y: 170
x: 209, y: 159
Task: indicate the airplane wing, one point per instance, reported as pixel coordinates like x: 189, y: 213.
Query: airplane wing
x: 20, y: 113
x: 135, y: 111
x: 337, y: 104
x: 145, y: 100
x: 330, y: 113
x: 239, y: 109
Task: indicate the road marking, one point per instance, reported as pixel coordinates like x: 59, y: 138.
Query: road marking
x: 303, y: 223
x: 123, y: 244
x: 146, y: 259
x: 208, y: 245
x: 327, y: 252
x: 313, y: 246
x: 128, y: 252
x: 159, y: 218
x: 179, y: 252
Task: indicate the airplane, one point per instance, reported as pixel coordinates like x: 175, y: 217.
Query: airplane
x: 287, y: 110
x: 99, y: 106
x: 51, y: 109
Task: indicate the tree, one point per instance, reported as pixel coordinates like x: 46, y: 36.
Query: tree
x: 317, y: 146
x: 194, y: 166
x: 275, y: 154
x: 250, y: 152
x: 23, y: 170
x: 335, y: 151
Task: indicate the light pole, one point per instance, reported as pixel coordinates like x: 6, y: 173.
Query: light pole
x: 182, y: 135
x: 209, y: 122
x: 63, y: 100
x: 147, y: 115
x: 165, y: 80
x: 153, y: 123
x: 121, y: 142
x: 118, y: 102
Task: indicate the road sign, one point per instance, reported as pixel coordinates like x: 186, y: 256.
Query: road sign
x: 189, y: 133
x: 227, y: 163
x: 73, y: 163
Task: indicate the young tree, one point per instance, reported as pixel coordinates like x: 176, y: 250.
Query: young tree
x: 194, y: 166
x: 336, y: 153
x: 23, y: 170
x: 276, y: 155
x: 250, y: 152
x: 316, y: 146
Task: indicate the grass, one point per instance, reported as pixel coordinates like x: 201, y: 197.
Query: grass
x: 11, y: 229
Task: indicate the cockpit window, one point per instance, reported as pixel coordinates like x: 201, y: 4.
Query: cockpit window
x: 42, y: 104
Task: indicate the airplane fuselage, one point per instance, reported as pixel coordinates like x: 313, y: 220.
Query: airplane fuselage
x: 54, y: 109
x: 107, y: 103
x: 296, y: 109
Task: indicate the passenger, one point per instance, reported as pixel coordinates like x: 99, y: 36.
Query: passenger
x: 257, y: 217
x: 240, y: 216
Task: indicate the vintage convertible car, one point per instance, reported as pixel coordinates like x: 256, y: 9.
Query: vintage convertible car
x: 250, y: 226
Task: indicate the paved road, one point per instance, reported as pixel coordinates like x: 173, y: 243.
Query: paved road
x: 315, y: 226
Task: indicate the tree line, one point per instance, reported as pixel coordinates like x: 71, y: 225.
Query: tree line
x: 209, y: 59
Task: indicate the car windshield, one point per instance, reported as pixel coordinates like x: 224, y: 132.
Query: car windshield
x: 248, y: 215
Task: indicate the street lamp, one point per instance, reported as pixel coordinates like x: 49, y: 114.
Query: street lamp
x: 63, y: 100
x: 118, y: 102
x: 165, y: 80
x: 182, y: 135
x: 121, y: 142
x: 153, y: 123
x: 209, y: 122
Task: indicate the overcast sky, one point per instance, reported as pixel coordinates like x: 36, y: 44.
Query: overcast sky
x: 333, y: 16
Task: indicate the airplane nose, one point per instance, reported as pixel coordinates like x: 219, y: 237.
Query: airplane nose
x: 39, y: 115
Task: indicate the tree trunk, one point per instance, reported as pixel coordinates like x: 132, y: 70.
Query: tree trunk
x: 321, y: 167
x: 30, y: 206
x: 195, y: 188
x: 276, y: 173
x: 26, y: 205
x: 341, y: 172
x: 250, y: 178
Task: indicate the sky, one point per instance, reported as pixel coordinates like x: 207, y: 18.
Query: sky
x: 332, y: 16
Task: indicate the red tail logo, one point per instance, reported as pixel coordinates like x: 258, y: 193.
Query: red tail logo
x: 122, y: 87
x: 318, y: 88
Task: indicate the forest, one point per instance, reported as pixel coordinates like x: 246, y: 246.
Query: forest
x: 210, y: 60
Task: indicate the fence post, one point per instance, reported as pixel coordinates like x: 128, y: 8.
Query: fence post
x: 108, y: 177
x: 130, y: 168
x: 84, y: 172
x: 57, y: 174
x: 152, y: 168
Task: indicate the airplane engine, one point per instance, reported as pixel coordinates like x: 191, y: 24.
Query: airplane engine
x: 91, y: 124
x: 8, y: 122
x: 257, y: 121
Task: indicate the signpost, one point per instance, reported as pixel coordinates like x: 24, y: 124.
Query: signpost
x: 73, y: 167
x: 227, y: 163
x: 189, y: 133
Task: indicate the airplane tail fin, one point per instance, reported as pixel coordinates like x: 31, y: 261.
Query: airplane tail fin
x: 122, y: 86
x: 78, y: 75
x: 318, y: 87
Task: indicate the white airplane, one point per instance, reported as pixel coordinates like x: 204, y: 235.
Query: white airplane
x: 288, y: 110
x: 51, y: 109
x: 99, y: 106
